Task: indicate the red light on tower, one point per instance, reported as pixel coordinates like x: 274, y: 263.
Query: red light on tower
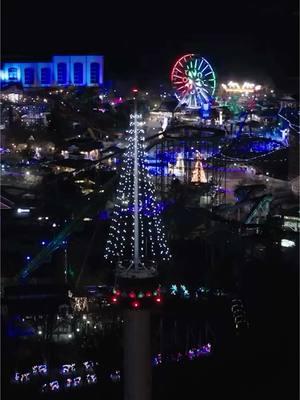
x: 135, y: 304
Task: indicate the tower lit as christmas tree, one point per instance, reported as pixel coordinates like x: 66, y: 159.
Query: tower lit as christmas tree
x: 136, y: 241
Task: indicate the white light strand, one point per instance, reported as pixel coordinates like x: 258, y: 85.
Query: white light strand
x: 152, y: 238
x: 246, y: 159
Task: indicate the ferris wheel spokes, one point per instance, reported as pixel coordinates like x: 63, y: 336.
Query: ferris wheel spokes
x: 192, y: 85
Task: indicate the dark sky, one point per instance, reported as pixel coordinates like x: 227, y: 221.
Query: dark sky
x: 254, y: 40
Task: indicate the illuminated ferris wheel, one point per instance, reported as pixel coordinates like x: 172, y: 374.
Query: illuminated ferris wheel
x: 193, y: 80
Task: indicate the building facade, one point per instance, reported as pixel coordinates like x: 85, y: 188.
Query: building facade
x: 74, y: 70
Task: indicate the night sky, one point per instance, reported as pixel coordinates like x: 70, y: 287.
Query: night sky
x: 255, y: 40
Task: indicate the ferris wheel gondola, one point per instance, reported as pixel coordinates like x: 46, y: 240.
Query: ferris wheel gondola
x: 193, y: 80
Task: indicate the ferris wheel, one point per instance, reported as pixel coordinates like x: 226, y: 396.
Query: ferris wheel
x: 193, y: 80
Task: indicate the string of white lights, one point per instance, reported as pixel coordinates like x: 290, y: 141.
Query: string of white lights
x: 121, y: 237
x: 236, y: 159
x: 291, y: 126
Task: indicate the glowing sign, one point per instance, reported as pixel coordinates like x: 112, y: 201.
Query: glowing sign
x: 246, y: 87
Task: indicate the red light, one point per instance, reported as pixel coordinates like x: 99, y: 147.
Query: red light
x: 148, y: 294
x: 132, y: 295
x: 158, y: 299
x: 135, y: 304
x: 135, y: 90
x: 114, y: 299
x: 117, y: 293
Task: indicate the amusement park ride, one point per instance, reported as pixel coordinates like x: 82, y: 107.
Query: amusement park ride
x: 185, y: 152
x: 194, y: 81
x: 137, y: 243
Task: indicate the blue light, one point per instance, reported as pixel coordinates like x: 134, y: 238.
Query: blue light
x: 185, y: 291
x: 28, y: 258
x: 174, y: 289
x: 43, y: 243
x: 103, y: 215
x: 78, y: 70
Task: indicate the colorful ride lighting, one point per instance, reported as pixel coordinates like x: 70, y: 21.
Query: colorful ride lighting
x: 158, y: 300
x: 132, y: 295
x: 235, y: 87
x: 148, y: 294
x: 114, y: 300
x: 135, y: 304
x: 193, y: 80
x: 117, y: 292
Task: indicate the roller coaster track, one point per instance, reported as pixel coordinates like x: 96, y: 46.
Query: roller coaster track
x: 261, y: 206
x: 67, y: 230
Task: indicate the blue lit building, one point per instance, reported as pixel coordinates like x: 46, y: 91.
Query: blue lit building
x: 75, y: 70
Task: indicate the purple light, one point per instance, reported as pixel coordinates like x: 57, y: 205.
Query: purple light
x: 69, y: 382
x: 77, y: 381
x: 189, y: 355
x: 54, y: 386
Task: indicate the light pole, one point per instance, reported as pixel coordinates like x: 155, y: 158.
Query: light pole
x: 137, y: 353
x: 136, y: 243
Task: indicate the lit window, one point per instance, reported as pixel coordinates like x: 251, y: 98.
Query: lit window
x: 12, y: 74
x: 45, y: 76
x: 78, y: 73
x: 29, y: 76
x: 95, y: 72
x: 61, y: 73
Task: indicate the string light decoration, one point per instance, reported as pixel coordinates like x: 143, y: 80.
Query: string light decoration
x: 136, y: 240
x: 198, y: 173
x: 178, y: 168
x: 80, y: 304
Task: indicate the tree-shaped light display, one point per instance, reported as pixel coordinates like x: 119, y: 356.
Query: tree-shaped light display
x: 177, y: 169
x: 198, y: 173
x: 136, y: 241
